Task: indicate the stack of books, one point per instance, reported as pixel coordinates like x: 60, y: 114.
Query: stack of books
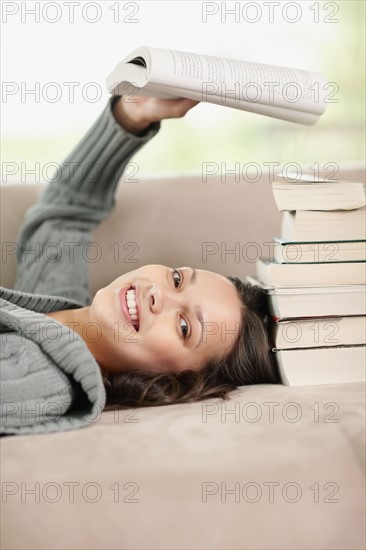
x: 315, y: 282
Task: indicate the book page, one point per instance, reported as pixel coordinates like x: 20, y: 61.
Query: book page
x: 169, y: 92
x: 239, y: 81
x: 309, y: 177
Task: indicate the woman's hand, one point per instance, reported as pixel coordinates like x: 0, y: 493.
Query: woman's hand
x: 135, y: 114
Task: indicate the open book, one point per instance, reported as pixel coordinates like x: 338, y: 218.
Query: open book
x: 280, y: 92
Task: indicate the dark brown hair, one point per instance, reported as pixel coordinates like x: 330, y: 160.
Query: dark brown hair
x: 250, y: 361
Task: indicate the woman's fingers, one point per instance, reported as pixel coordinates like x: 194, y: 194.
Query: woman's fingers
x: 184, y: 105
x: 158, y: 109
x: 137, y: 115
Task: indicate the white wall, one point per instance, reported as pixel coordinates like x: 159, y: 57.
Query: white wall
x: 321, y: 36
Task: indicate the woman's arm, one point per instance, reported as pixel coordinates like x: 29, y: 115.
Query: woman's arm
x: 57, y: 229
x: 135, y: 114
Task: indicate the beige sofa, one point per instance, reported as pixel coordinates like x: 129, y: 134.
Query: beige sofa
x: 273, y: 468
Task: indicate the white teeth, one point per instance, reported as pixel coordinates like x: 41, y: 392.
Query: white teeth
x: 131, y: 304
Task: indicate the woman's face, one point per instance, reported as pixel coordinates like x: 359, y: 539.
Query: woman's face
x: 185, y: 317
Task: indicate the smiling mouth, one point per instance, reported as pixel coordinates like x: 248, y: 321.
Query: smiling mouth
x: 131, y: 304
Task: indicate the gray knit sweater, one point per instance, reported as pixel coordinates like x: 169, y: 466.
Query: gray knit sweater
x: 50, y: 381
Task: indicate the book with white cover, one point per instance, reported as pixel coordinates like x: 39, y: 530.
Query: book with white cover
x: 285, y: 93
x: 304, y: 301
x: 328, y: 365
x: 304, y: 252
x: 318, y: 195
x: 319, y: 226
x: 318, y: 332
x: 311, y: 274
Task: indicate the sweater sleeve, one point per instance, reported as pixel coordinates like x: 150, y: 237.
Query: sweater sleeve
x: 54, y: 242
x: 49, y: 381
x: 33, y: 391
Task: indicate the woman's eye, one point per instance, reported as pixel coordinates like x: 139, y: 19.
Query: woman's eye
x: 176, y: 272
x: 184, y: 328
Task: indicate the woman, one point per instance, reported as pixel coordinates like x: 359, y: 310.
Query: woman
x: 154, y: 336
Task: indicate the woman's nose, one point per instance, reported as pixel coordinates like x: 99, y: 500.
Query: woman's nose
x: 162, y: 298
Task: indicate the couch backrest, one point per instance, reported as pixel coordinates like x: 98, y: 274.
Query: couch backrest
x: 175, y: 220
